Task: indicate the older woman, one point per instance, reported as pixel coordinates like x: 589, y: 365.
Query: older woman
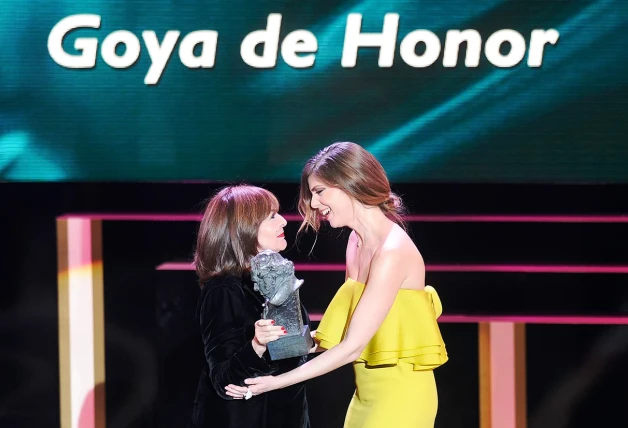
x: 239, y: 222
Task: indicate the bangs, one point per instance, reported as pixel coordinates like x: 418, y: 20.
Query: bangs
x: 255, y: 205
x: 274, y: 204
x: 268, y: 202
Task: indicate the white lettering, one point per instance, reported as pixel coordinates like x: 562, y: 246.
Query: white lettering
x: 131, y: 52
x: 453, y: 39
x: 159, y: 54
x: 270, y: 40
x: 299, y: 41
x: 87, y: 46
x: 408, y: 48
x: 354, y: 39
x: 538, y: 39
x: 298, y: 49
x: 209, y: 41
x: 513, y: 57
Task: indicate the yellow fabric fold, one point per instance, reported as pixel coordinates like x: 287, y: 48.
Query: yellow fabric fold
x: 410, y: 332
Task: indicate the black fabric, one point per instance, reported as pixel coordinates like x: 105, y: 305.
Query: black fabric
x: 227, y: 310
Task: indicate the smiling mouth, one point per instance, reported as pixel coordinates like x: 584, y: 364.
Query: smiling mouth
x: 325, y: 212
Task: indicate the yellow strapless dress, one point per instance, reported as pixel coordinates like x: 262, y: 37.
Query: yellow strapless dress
x: 394, y: 376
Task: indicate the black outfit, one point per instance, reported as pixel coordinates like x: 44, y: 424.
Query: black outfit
x: 227, y: 310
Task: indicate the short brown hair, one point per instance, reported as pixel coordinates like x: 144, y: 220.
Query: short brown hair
x: 227, y: 235
x: 358, y: 173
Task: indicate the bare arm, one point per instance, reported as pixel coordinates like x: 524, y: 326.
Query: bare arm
x: 386, y: 276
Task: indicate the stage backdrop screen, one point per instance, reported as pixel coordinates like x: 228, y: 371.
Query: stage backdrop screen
x: 438, y: 90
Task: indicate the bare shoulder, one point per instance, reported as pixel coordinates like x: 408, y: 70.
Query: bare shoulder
x: 400, y: 255
x: 395, y: 247
x: 399, y: 243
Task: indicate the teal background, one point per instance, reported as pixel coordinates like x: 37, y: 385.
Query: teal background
x: 563, y: 122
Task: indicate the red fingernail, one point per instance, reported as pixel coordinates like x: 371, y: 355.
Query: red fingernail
x: 272, y: 322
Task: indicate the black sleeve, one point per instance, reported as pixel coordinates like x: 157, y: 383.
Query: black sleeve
x: 229, y: 353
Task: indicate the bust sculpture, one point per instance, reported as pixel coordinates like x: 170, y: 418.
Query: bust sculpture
x: 274, y: 279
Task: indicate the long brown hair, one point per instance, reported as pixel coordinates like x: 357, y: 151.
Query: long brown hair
x: 355, y: 171
x: 227, y: 235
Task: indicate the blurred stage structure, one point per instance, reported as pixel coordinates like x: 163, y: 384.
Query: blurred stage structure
x: 501, y: 344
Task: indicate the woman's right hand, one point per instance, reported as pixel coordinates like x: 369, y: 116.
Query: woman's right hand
x: 266, y: 331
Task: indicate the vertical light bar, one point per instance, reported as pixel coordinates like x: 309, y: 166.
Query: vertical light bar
x: 81, y: 323
x: 502, y: 375
x: 484, y: 343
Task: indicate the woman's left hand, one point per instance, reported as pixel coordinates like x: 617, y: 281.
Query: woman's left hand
x: 236, y: 392
x: 262, y: 384
x: 256, y: 386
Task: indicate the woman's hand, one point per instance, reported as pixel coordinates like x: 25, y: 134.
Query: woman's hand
x: 266, y: 331
x: 256, y: 386
x: 236, y: 392
x: 262, y: 384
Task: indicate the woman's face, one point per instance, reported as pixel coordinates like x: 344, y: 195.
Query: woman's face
x: 332, y: 204
x: 270, y: 235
